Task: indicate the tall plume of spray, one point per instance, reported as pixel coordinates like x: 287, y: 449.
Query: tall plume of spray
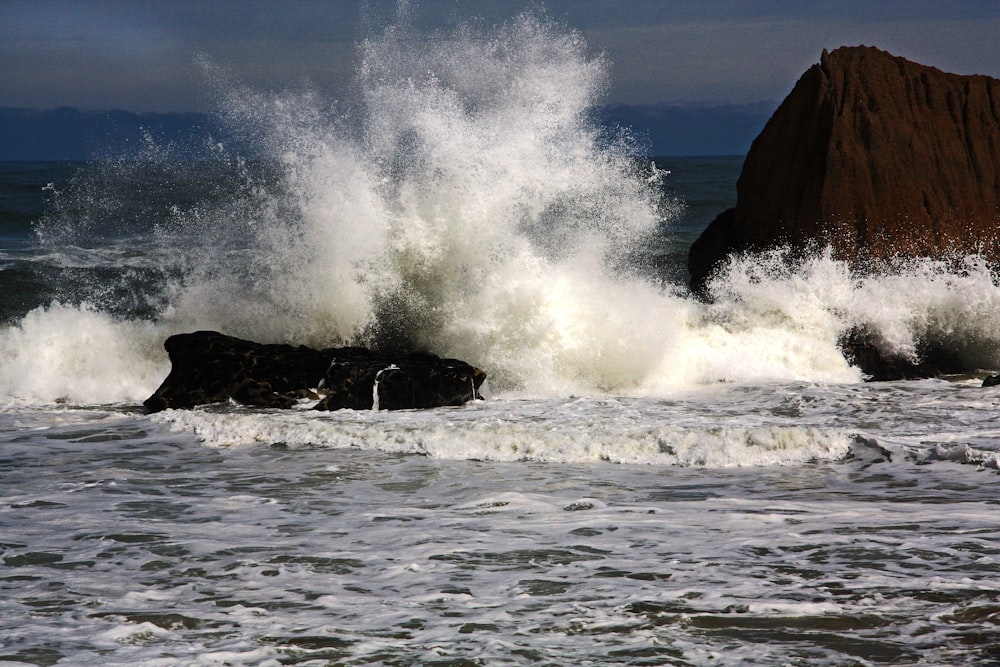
x: 466, y: 204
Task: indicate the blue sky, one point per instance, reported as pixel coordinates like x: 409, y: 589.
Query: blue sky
x: 138, y: 55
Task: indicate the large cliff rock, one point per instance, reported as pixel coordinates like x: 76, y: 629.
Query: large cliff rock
x: 209, y: 367
x: 875, y: 156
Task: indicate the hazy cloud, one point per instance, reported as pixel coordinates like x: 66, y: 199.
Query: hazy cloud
x: 139, y: 54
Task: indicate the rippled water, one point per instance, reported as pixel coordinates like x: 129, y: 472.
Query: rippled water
x: 126, y: 543
x: 656, y: 480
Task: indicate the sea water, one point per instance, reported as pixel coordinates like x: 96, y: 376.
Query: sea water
x: 652, y: 479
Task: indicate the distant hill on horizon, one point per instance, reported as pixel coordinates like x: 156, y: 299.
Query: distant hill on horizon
x: 66, y: 133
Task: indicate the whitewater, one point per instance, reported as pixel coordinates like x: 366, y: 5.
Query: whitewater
x: 652, y: 478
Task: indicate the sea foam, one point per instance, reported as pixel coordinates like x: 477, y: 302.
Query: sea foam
x: 465, y: 202
x: 558, y: 433
x: 76, y: 354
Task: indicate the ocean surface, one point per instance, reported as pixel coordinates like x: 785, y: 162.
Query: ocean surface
x: 652, y: 480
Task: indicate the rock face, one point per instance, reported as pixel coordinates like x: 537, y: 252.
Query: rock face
x: 861, y: 350
x: 875, y: 156
x: 209, y: 367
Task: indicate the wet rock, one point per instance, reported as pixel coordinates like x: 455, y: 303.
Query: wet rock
x: 411, y: 380
x: 991, y: 381
x: 861, y: 349
x: 209, y: 367
x: 875, y: 156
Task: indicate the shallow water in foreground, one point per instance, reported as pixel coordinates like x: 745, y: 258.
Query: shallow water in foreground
x: 656, y: 480
x: 128, y: 543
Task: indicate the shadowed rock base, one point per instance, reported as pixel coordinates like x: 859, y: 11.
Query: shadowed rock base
x: 209, y: 367
x: 861, y: 350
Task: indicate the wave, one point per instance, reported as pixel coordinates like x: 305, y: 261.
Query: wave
x: 466, y: 203
x: 73, y: 353
x: 507, y: 431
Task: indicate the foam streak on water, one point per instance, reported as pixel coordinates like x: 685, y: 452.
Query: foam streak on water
x: 655, y: 480
x: 124, y: 544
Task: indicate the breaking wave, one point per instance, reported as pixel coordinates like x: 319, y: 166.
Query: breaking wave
x: 465, y: 202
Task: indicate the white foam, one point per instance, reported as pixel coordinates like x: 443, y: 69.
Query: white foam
x: 467, y: 204
x: 954, y: 303
x: 782, y: 608
x: 490, y: 432
x: 473, y: 205
x: 965, y: 454
x: 76, y: 354
x: 132, y: 633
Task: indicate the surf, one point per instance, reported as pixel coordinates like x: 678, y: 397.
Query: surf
x: 463, y: 200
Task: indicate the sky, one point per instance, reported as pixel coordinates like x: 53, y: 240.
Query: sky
x: 140, y: 55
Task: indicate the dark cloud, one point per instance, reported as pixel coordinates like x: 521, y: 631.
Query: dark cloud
x: 139, y: 54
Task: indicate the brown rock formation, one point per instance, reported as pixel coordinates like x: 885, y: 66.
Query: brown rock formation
x: 875, y: 156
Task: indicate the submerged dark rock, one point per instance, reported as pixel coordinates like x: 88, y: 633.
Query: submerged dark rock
x: 411, y: 380
x: 210, y: 367
x: 875, y: 156
x: 861, y: 349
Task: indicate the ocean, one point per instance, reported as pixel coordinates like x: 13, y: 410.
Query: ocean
x: 651, y: 479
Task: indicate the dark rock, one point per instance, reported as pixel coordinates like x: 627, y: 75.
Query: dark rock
x: 209, y: 367
x: 411, y: 380
x: 991, y: 381
x: 861, y: 349
x: 877, y: 157
x: 711, y: 247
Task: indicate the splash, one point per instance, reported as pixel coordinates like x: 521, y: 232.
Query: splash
x: 465, y: 203
x: 79, y: 355
x: 951, y: 303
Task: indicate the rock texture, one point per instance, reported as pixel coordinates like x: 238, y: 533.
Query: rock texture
x: 209, y: 367
x: 861, y: 349
x: 875, y: 156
